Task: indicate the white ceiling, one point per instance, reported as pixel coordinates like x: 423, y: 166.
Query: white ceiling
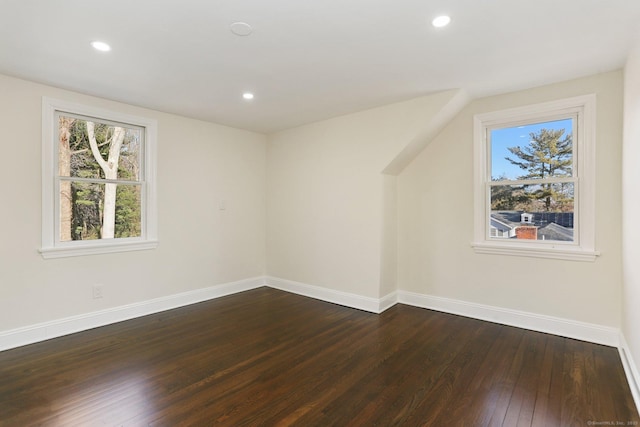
x: 307, y: 60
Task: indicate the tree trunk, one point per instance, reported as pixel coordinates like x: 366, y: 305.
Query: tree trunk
x: 110, y: 169
x: 64, y: 169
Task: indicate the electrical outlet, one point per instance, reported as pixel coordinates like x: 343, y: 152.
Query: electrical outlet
x: 97, y: 291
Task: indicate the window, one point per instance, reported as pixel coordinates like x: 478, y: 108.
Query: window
x: 534, y: 180
x: 98, y: 181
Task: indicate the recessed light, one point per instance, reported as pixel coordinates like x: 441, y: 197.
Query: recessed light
x: 101, y: 46
x: 241, y: 29
x: 441, y: 21
x: 247, y: 95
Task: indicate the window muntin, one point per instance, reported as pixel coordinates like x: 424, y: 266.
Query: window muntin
x: 98, y: 181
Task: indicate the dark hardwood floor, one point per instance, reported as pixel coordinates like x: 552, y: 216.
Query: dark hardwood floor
x: 266, y: 357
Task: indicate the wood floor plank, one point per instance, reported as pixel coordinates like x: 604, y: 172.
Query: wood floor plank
x: 523, y: 398
x: 397, y: 391
x: 574, y: 386
x: 446, y: 398
x: 476, y: 402
x: 547, y: 402
x: 369, y: 362
x: 608, y: 368
x: 506, y: 387
x: 269, y: 358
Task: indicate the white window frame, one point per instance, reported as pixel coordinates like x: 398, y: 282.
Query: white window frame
x: 52, y: 247
x: 583, y: 108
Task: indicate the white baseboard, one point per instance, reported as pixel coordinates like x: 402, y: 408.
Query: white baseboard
x: 56, y: 328
x: 388, y: 301
x: 553, y: 325
x: 630, y: 369
x: 536, y: 322
x: 373, y: 305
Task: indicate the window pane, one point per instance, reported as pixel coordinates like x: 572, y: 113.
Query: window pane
x: 90, y: 211
x: 117, y: 150
x: 128, y: 216
x: 532, y: 212
x: 533, y: 151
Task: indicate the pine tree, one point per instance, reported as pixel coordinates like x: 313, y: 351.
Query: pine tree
x: 549, y: 154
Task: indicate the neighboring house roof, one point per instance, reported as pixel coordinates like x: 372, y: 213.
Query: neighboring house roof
x: 500, y: 225
x: 552, y: 225
x: 507, y: 217
x: 554, y: 231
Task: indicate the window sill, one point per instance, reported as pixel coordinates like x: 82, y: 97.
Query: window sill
x: 560, y: 253
x: 96, y: 249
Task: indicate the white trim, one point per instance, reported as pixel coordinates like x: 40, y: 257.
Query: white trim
x: 583, y: 249
x: 630, y: 370
x: 553, y: 325
x: 547, y: 324
x: 80, y: 250
x: 57, y: 328
x: 536, y: 322
x: 51, y: 248
x: 498, y: 248
x: 387, y: 301
x: 373, y: 305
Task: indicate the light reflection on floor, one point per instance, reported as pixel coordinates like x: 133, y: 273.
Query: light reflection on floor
x: 121, y: 401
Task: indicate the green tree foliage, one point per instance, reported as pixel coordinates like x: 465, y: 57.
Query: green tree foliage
x: 128, y: 211
x: 549, y: 154
x: 509, y: 197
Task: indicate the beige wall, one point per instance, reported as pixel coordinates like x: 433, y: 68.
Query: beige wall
x: 330, y: 210
x: 326, y: 216
x: 199, y: 165
x: 435, y: 202
x: 631, y: 206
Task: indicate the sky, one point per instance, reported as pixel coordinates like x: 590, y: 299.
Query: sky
x: 515, y: 136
